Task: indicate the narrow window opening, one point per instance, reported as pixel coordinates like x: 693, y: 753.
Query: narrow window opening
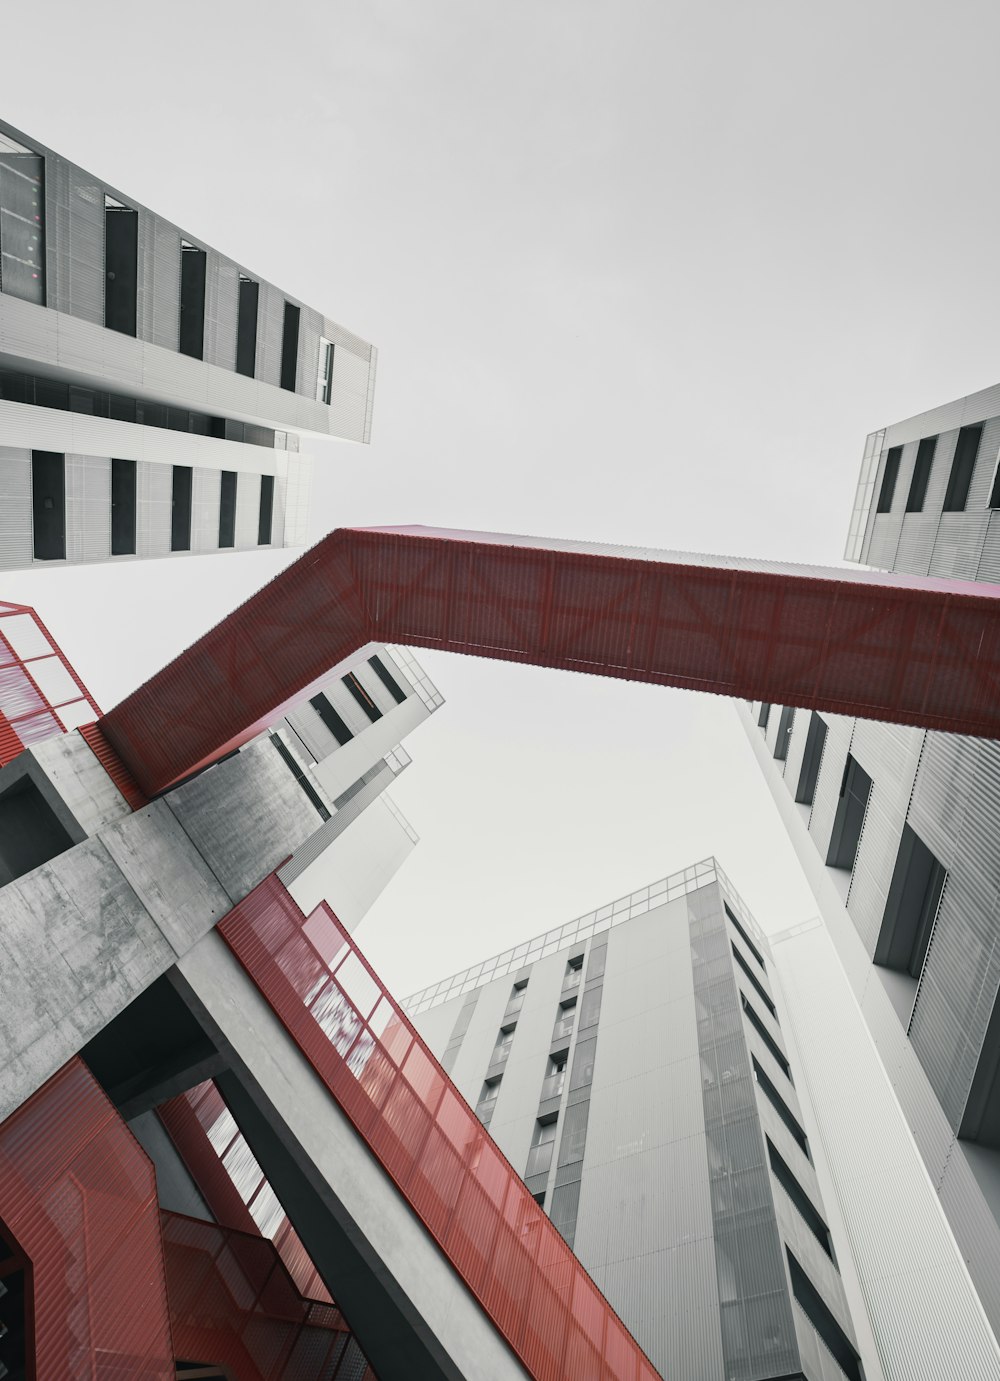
x: 543, y: 1140
x: 811, y: 758
x: 48, y: 505
x: 246, y: 327
x: 194, y: 263
x: 359, y: 693
x: 388, y: 680
x: 266, y: 512
x: 565, y: 1207
x: 780, y: 1107
x: 324, y: 381
x: 121, y: 266
x: 746, y: 938
x: 227, y: 509
x: 889, y: 477
x: 809, y: 1300
x: 785, y: 724
x: 921, y: 474
x: 855, y: 788
x: 766, y: 1037
x: 966, y: 451
x: 805, y: 1206
x: 290, y: 346
x: 911, y: 905
x: 180, y: 509
x: 757, y: 985
x: 123, y: 493
x: 763, y: 715
x: 331, y: 719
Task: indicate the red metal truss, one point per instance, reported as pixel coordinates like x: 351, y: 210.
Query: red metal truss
x: 881, y: 646
x: 41, y: 695
x: 78, y: 1196
x: 429, y: 1141
x: 233, y: 1305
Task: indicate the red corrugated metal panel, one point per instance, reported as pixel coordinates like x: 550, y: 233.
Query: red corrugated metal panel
x: 113, y: 765
x: 232, y: 1304
x: 31, y: 659
x: 429, y: 1141
x: 849, y: 642
x: 79, y: 1196
x: 10, y: 744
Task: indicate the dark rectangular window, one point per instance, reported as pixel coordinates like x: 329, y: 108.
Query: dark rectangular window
x: 22, y: 225
x: 121, y: 266
x: 855, y: 788
x: 583, y: 1063
x: 388, y: 680
x: 811, y: 758
x: 910, y: 907
x: 331, y: 719
x: 764, y: 715
x: 48, y: 505
x: 746, y: 938
x: 766, y: 1037
x: 266, y: 513
x: 180, y: 509
x: 837, y: 1341
x: 574, y: 1133
x: 227, y: 509
x: 123, y: 477
x: 362, y: 697
x: 590, y: 1007
x: 194, y: 263
x: 785, y: 723
x: 966, y: 451
x: 290, y: 347
x: 799, y: 1198
x: 246, y: 327
x: 780, y: 1106
x: 921, y: 475
x: 757, y: 985
x: 889, y: 477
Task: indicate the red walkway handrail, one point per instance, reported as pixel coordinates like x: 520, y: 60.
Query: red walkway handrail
x: 899, y: 648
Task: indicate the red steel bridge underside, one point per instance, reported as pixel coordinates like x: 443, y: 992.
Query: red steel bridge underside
x: 905, y: 649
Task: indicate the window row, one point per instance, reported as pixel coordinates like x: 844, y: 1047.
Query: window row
x: 22, y: 274
x: 335, y: 722
x: 959, y: 477
x: 48, y: 507
x: 40, y: 392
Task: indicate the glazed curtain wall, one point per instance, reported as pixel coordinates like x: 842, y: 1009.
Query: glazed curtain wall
x: 78, y: 1198
x: 890, y: 647
x: 429, y: 1141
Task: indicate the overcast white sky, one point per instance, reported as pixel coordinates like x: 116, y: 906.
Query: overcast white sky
x: 638, y: 272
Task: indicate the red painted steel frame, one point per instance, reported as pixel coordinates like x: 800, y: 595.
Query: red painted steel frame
x: 26, y: 714
x: 78, y: 1195
x: 429, y: 1141
x: 858, y: 643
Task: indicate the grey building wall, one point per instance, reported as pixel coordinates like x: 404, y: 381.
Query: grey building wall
x: 657, y: 1169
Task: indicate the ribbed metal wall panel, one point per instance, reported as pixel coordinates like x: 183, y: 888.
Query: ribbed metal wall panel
x: 297, y: 494
x: 371, y: 395
x: 959, y: 544
x: 944, y: 454
x: 349, y: 399
x: 206, y: 494
x: 270, y: 324
x: 876, y: 857
x: 160, y: 270
x: 15, y: 507
x: 925, y: 1315
x: 884, y: 540
x: 941, y: 792
x: 154, y: 494
x: 964, y: 1204
x: 310, y: 330
x: 989, y: 561
x: 88, y: 508
x: 86, y: 246
x: 916, y: 543
x: 247, y: 511
x: 796, y: 749
x: 985, y: 468
x: 278, y: 511
x: 222, y: 292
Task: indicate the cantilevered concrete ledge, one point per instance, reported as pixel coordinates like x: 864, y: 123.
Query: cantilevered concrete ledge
x: 899, y: 648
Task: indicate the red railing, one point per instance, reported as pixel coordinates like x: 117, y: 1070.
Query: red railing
x: 78, y: 1196
x: 233, y: 1305
x: 430, y: 1142
x: 41, y: 695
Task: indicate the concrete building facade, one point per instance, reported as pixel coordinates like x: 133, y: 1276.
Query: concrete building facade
x: 156, y: 397
x: 633, y: 1065
x: 897, y: 829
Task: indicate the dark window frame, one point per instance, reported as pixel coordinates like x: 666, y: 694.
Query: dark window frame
x: 331, y: 719
x: 359, y: 693
x: 890, y: 474
x: 922, y: 467
x: 228, y: 491
x: 181, y: 505
x: 265, y: 512
x: 962, y: 468
x: 791, y: 1122
x: 124, y: 496
x: 48, y: 505
x: 388, y: 680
